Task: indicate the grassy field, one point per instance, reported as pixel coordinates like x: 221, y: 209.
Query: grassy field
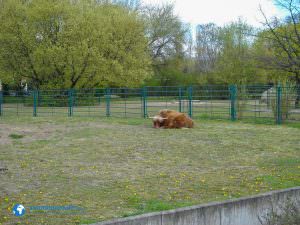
x: 122, y: 167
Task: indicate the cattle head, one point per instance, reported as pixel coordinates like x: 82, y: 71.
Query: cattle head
x: 158, y: 121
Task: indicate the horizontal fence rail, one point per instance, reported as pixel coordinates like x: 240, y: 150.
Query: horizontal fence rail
x: 274, y: 104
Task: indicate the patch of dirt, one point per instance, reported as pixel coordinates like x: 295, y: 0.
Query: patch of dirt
x: 44, y: 131
x: 30, y: 132
x: 4, y: 139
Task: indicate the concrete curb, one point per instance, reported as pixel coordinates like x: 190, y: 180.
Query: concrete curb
x: 241, y: 211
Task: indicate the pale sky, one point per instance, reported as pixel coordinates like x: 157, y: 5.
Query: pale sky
x: 221, y: 11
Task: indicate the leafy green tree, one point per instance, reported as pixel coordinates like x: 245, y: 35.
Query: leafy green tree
x: 68, y: 44
x: 236, y: 63
x: 264, y: 54
x: 173, y: 74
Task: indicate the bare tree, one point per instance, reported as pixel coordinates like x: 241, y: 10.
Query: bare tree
x: 284, y: 37
x: 208, y: 45
x: 165, y: 32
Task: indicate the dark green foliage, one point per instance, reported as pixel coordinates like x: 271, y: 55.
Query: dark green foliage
x: 172, y: 77
x: 16, y: 136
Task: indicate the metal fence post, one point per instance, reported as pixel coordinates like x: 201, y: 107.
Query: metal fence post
x: 144, y: 102
x: 278, y: 105
x: 107, y: 99
x: 35, y: 102
x: 180, y: 99
x: 70, y: 102
x: 98, y: 92
x: 233, y: 98
x: 1, y: 102
x: 190, y: 96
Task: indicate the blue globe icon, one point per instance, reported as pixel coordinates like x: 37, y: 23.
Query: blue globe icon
x: 19, y: 210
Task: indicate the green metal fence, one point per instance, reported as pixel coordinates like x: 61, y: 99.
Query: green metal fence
x: 274, y: 104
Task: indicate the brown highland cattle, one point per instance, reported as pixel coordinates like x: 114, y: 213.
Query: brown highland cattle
x: 170, y: 119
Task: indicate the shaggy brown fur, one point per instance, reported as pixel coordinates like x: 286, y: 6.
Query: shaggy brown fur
x: 172, y: 119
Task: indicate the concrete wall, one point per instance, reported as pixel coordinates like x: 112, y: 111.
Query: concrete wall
x: 243, y: 211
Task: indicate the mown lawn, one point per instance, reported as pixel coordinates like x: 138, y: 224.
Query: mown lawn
x: 122, y: 167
